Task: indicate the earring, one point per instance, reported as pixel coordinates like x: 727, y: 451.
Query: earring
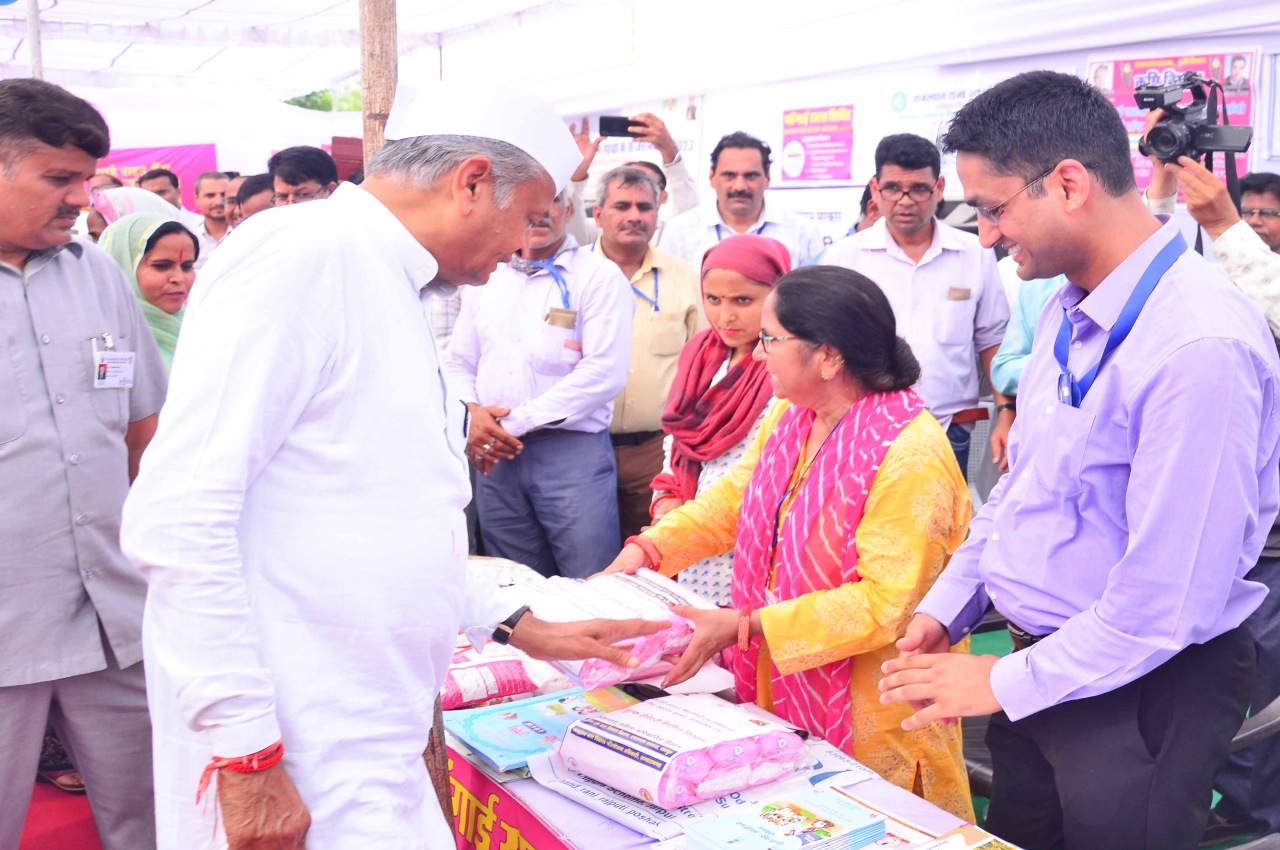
x: 826, y: 376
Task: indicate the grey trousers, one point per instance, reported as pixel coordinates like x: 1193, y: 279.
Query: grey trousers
x: 101, y: 718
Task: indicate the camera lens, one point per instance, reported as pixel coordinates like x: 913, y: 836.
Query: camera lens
x: 1168, y: 141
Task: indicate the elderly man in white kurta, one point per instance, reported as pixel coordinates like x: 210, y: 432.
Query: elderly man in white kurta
x: 299, y: 516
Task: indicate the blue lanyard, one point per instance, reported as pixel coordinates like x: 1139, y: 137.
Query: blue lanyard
x: 1072, y: 391
x: 760, y: 232
x: 652, y: 301
x: 561, y: 283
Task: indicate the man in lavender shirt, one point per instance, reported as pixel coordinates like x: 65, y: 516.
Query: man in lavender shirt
x: 1118, y: 544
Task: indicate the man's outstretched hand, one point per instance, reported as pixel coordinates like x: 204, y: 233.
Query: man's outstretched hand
x: 585, y: 639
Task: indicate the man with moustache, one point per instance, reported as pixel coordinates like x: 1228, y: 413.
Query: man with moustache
x: 71, y: 435
x: 740, y: 176
x: 539, y: 355
x: 944, y: 288
x: 668, y: 312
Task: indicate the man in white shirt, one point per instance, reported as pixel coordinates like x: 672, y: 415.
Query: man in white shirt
x: 740, y: 175
x: 675, y: 185
x: 944, y: 287
x: 211, y: 199
x: 299, y: 516
x: 539, y: 356
x: 163, y: 182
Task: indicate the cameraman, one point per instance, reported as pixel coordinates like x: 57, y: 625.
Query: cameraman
x: 1250, y: 783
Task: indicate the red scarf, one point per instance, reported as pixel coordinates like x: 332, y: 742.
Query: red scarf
x: 706, y: 421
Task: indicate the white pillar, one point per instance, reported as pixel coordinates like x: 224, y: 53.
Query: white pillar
x: 33, y: 39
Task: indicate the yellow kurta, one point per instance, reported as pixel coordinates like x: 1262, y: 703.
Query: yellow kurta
x: 917, y: 513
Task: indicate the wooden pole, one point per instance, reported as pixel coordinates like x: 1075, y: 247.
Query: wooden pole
x: 33, y: 39
x: 379, y: 60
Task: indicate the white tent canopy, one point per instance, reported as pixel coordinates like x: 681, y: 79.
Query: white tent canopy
x: 581, y: 54
x: 171, y: 72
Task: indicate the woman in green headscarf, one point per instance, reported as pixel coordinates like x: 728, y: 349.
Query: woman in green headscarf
x: 158, y: 256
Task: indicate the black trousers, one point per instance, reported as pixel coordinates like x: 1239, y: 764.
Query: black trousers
x: 1131, y: 769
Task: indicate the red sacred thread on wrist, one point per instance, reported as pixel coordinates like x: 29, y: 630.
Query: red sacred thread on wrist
x: 744, y: 628
x: 650, y: 551
x: 252, y: 763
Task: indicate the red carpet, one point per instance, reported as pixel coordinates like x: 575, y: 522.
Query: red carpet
x: 58, y: 821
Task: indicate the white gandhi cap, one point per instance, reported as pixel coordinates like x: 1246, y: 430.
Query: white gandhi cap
x: 491, y: 112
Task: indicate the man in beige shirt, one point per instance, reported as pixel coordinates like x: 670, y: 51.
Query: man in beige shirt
x: 668, y: 313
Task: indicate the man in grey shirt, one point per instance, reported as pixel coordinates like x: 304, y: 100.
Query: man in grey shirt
x: 81, y: 383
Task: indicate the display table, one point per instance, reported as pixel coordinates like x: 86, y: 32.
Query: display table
x: 522, y: 815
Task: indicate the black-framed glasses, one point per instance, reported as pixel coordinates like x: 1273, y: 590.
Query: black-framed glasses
x: 1248, y: 212
x: 920, y: 192
x: 766, y: 341
x: 991, y: 215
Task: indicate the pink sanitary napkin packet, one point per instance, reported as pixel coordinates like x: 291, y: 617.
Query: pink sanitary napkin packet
x: 679, y: 750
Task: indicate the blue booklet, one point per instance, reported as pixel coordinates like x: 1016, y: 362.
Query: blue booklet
x: 817, y: 819
x: 506, y: 735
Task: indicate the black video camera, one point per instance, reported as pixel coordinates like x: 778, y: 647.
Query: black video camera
x: 1187, y: 130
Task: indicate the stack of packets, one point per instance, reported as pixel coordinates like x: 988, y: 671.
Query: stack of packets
x: 816, y: 819
x: 679, y: 750
x: 822, y: 765
x: 506, y: 735
x: 645, y: 595
x: 498, y: 674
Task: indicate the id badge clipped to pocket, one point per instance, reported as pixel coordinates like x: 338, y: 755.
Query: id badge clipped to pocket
x: 112, y: 370
x: 565, y: 321
x: 559, y: 317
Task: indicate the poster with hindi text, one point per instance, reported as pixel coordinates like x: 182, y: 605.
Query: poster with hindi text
x: 1118, y: 77
x: 186, y: 161
x: 817, y: 144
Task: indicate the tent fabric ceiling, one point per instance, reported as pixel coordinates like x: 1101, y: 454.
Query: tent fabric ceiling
x: 580, y: 54
x: 287, y: 47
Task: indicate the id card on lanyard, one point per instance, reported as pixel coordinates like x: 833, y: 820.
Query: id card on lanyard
x: 562, y: 316
x: 1072, y: 390
x: 653, y: 302
x: 112, y: 370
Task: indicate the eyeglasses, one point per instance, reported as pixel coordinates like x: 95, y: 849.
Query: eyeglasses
x: 991, y: 215
x: 293, y: 198
x: 1247, y: 213
x: 766, y: 341
x: 919, y: 192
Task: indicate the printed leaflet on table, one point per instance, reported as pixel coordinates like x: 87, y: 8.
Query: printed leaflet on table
x: 506, y: 735
x: 816, y: 819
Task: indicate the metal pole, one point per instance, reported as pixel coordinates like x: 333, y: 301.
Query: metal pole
x: 33, y: 39
x: 379, y: 64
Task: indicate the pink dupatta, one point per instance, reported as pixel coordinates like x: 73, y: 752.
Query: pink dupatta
x: 815, y: 547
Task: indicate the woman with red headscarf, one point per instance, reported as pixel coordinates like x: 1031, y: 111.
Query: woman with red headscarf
x: 720, y: 392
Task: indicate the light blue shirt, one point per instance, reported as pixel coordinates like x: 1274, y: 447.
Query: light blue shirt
x: 1015, y: 348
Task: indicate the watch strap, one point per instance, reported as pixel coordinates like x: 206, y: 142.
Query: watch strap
x: 502, y: 634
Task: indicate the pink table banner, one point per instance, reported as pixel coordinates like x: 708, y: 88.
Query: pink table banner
x: 1117, y: 78
x: 186, y: 161
x: 817, y: 144
x: 487, y: 817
